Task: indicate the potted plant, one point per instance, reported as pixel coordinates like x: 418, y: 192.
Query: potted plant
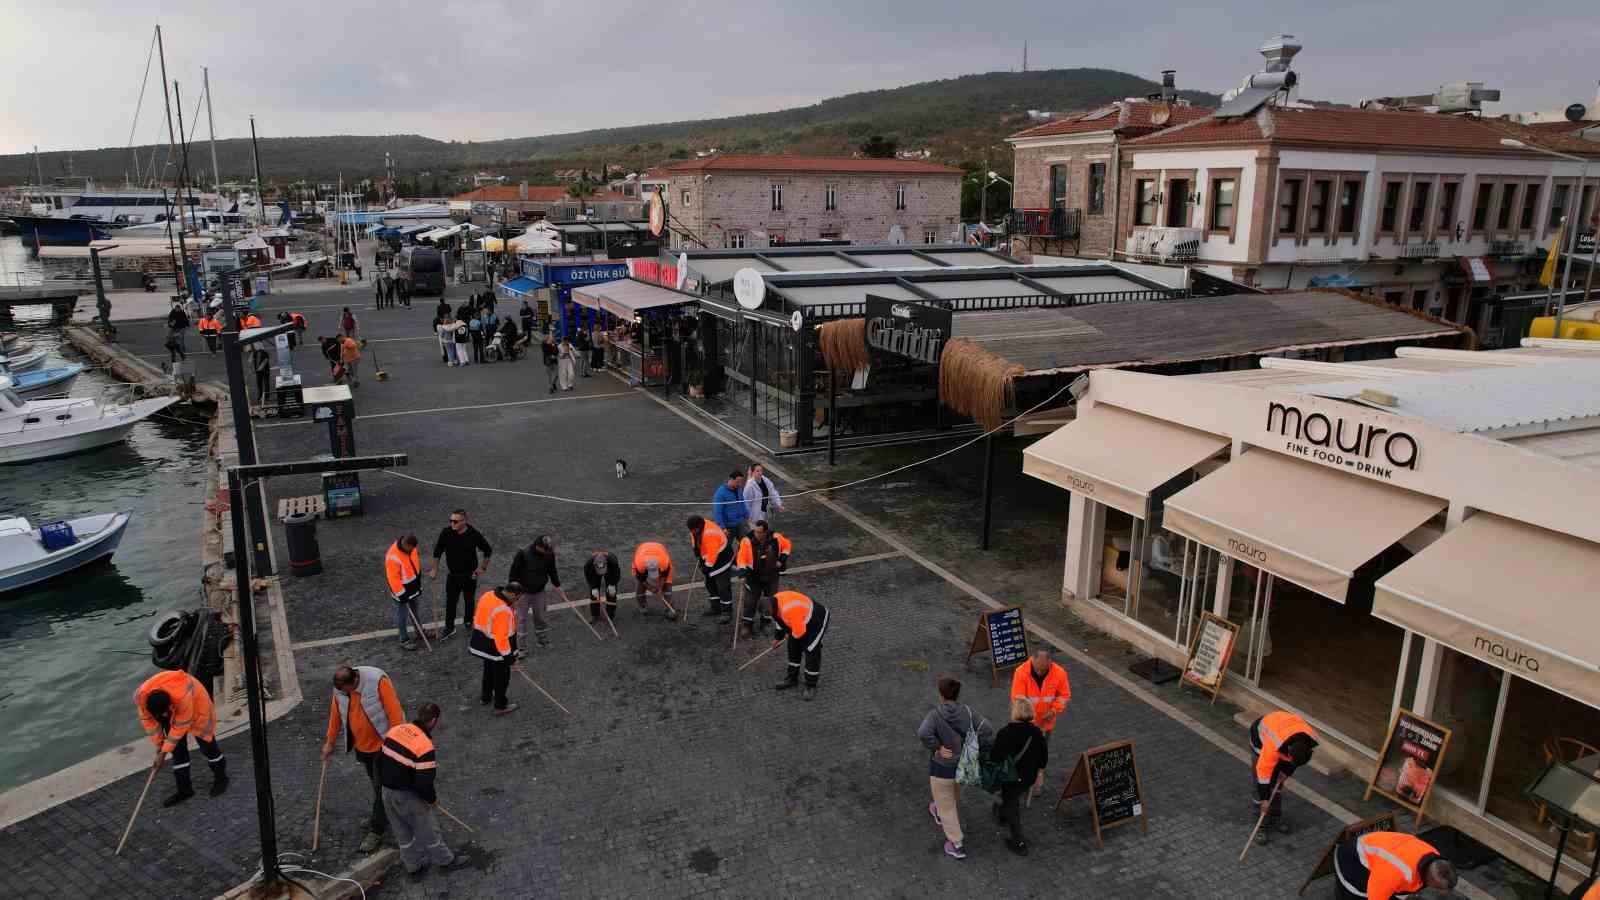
x: 697, y: 384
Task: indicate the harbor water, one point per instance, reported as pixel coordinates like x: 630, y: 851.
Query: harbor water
x: 73, y: 650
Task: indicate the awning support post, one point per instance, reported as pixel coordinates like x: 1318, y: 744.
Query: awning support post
x: 988, y: 487
x: 833, y: 417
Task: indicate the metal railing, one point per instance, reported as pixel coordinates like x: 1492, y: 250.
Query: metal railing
x: 828, y: 311
x: 1507, y: 248
x: 1421, y: 250
x: 1052, y: 223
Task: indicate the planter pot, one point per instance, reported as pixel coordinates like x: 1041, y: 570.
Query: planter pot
x: 788, y: 437
x: 697, y: 391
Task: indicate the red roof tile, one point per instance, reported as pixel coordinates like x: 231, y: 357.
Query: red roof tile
x: 537, y: 193
x: 1123, y: 117
x: 840, y: 165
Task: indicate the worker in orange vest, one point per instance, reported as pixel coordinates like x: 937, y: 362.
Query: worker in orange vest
x: 494, y: 639
x: 711, y: 544
x: 209, y: 327
x: 1044, y: 684
x: 1282, y: 742
x: 249, y: 320
x: 1381, y: 865
x: 172, y: 706
x: 407, y: 769
x: 350, y: 359
x: 652, y: 573
x: 402, y: 566
x: 1588, y: 889
x: 363, y: 707
x: 762, y: 558
x: 803, y: 622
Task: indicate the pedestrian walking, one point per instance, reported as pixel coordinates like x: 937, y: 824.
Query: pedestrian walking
x: 652, y: 574
x: 377, y: 288
x: 261, y: 368
x: 329, y: 347
x: 525, y: 313
x: 462, y: 336
x: 762, y: 558
x: 210, y: 329
x: 459, y: 544
x: 944, y: 732
x: 177, y: 327
x: 568, y: 364
x: 403, y: 286
x: 803, y: 622
x: 534, y: 567
x: 407, y: 769
x: 728, y: 506
x: 1381, y: 865
x: 597, y: 349
x: 347, y: 322
x: 581, y: 346
x: 350, y: 360
x: 1023, y: 743
x: 710, y: 543
x: 443, y: 310
x: 494, y: 640
x: 363, y: 708
x: 443, y: 330
x: 1044, y: 684
x: 761, y: 497
x: 173, y: 705
x: 475, y: 332
x: 1282, y: 742
x: 552, y: 359
x: 603, y: 574
x: 402, y: 566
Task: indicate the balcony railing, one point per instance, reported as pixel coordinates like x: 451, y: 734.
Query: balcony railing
x: 1507, y: 248
x: 1422, y: 250
x: 1163, y: 244
x: 1064, y: 224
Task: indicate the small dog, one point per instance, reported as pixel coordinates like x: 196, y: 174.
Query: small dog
x: 622, y: 468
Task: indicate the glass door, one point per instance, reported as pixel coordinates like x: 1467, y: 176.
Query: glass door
x: 1249, y: 605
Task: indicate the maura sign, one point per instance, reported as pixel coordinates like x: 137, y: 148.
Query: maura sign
x: 911, y: 330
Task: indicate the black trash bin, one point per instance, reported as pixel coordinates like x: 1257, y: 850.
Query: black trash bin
x: 305, y: 558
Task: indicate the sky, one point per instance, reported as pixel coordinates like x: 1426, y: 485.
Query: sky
x: 482, y: 70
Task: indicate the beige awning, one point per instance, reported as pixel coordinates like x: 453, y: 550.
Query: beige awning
x: 1116, y: 457
x: 1302, y: 522
x: 1511, y: 594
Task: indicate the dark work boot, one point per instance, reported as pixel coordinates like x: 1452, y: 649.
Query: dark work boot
x: 219, y: 776
x: 185, y: 788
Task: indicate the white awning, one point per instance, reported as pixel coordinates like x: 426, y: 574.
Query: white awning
x: 1510, y: 594
x: 625, y: 297
x: 1116, y: 457
x: 1302, y: 522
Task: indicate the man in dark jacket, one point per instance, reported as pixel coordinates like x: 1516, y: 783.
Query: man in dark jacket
x: 534, y: 567
x: 406, y: 770
x: 761, y: 559
x: 552, y: 360
x: 603, y: 573
x: 459, y: 543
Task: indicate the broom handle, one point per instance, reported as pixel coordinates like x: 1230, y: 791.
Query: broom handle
x: 453, y: 818
x: 757, y: 656
x: 1263, y: 817
x: 540, y: 689
x: 316, y: 822
x: 136, y: 807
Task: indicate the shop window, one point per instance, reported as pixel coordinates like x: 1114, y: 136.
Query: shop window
x: 1097, y: 189
x: 776, y: 239
x: 1466, y: 697
x: 1536, y: 722
x: 1419, y: 207
x: 1178, y: 203
x: 1222, y: 203
x: 828, y: 235
x: 1530, y: 207
x: 1058, y: 186
x: 1419, y: 300
x: 930, y: 235
x: 1390, y: 219
x: 1349, y: 206
x: 1508, y: 206
x: 1317, y: 210
x: 736, y: 239
x: 1558, y: 205
x: 1394, y: 298
x: 830, y: 197
x: 685, y: 198
x: 1144, y: 203
x: 899, y: 196
x: 777, y: 198
x: 1289, y: 206
x: 1480, y: 205
x: 1447, y: 207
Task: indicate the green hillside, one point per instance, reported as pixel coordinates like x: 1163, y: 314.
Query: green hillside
x: 957, y: 119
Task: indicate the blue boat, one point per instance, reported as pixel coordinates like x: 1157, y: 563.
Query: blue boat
x: 71, y: 232
x: 56, y: 380
x: 28, y: 557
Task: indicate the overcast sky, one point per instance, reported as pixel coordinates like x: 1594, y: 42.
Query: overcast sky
x: 483, y: 69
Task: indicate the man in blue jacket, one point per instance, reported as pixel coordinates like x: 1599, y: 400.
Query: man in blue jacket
x: 728, y: 509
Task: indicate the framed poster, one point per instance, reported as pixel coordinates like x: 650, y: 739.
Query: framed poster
x: 1409, y: 761
x: 1209, y: 654
x: 1003, y: 635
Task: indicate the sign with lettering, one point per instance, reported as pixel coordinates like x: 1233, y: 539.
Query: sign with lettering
x: 1209, y: 653
x: 910, y: 330
x: 1324, y: 867
x: 1109, y: 775
x: 1004, y: 636
x: 1409, y: 761
x: 1339, y: 440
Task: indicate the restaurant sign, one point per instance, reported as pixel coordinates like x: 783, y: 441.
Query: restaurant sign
x: 1342, y: 441
x: 905, y: 329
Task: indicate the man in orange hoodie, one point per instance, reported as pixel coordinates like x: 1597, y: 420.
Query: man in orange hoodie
x: 1044, y: 684
x: 350, y: 359
x: 172, y: 706
x: 364, y: 707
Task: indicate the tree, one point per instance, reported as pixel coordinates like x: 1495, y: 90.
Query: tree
x: 580, y: 189
x: 879, y: 147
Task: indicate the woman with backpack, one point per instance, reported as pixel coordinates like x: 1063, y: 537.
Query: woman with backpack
x: 956, y: 738
x: 1023, y: 743
x: 463, y: 336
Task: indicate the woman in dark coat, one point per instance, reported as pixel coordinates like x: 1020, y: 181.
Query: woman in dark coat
x: 1022, y: 741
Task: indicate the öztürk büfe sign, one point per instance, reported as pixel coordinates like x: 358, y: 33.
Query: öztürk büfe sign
x: 1109, y: 774
x: 911, y: 330
x: 1002, y: 633
x: 1410, y: 761
x: 1210, y: 652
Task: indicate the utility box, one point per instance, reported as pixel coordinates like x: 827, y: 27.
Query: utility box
x: 335, y: 405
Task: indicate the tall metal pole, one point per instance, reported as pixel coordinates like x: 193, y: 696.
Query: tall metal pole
x: 179, y: 271
x: 185, y: 187
x: 988, y: 486
x: 211, y: 124
x: 255, y: 507
x: 255, y: 156
x: 1572, y: 244
x: 38, y: 171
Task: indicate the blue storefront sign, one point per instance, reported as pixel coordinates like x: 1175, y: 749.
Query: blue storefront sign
x: 562, y: 277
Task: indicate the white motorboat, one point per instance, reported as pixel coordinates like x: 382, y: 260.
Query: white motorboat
x: 40, y: 429
x: 30, y: 555
x: 17, y: 361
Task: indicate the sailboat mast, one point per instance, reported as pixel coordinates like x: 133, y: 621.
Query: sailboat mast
x: 211, y: 123
x: 255, y: 155
x: 182, y: 260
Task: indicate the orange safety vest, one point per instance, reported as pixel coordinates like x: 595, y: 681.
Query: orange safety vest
x: 794, y: 610
x: 1394, y: 862
x: 713, y: 541
x: 367, y: 720
x: 747, y: 557
x: 1275, y: 728
x: 190, y: 713
x: 408, y: 762
x: 208, y: 325
x: 650, y: 550
x: 401, y: 568
x: 1593, y: 893
x: 299, y: 320
x: 349, y: 351
x: 494, y: 628
x: 1049, y: 699
x: 250, y: 321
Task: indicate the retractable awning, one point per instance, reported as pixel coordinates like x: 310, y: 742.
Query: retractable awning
x: 519, y: 285
x: 1508, y: 593
x: 1116, y: 457
x: 1302, y: 522
x: 625, y: 297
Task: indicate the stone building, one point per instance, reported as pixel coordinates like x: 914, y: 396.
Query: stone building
x: 760, y: 201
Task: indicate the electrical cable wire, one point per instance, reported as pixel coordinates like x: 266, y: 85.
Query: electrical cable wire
x: 821, y: 490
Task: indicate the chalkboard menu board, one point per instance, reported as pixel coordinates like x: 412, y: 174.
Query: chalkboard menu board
x: 1109, y: 775
x: 1003, y: 634
x: 1209, y: 654
x: 1324, y: 867
x: 1411, y: 757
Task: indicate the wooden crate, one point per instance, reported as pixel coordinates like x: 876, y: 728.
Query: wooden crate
x: 312, y: 505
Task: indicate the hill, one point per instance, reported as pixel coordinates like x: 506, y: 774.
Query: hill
x: 956, y: 119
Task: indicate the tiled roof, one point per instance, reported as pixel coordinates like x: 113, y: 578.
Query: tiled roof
x: 842, y: 165
x: 1122, y: 116
x: 1377, y: 129
x: 537, y: 193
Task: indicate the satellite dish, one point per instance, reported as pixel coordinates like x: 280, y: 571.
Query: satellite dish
x: 658, y: 213
x: 1576, y: 112
x: 797, y: 321
x: 749, y: 288
x: 1161, y: 114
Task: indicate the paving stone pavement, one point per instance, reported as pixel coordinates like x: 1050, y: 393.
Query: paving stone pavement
x: 679, y: 776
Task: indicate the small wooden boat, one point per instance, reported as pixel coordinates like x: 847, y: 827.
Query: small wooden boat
x: 30, y: 555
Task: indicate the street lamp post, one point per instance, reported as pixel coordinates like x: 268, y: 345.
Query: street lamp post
x: 1571, y: 221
